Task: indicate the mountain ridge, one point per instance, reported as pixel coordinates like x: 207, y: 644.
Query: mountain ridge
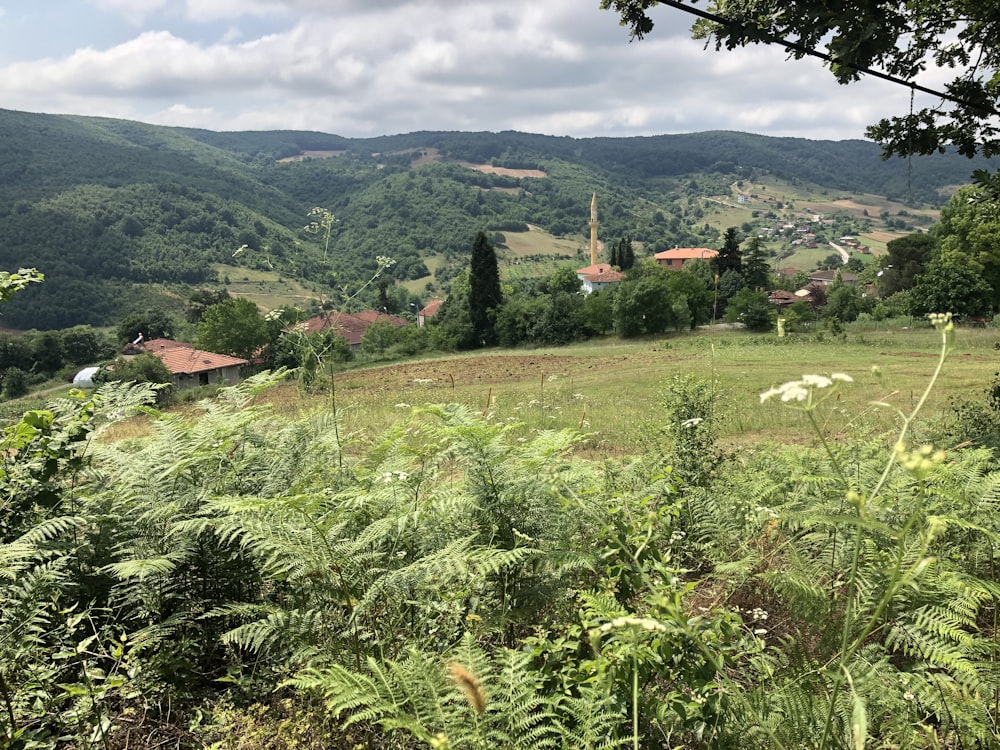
x: 101, y: 204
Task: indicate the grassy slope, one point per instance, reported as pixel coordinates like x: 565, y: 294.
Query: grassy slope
x: 612, y: 387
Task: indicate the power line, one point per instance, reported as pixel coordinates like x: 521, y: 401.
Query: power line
x: 796, y: 47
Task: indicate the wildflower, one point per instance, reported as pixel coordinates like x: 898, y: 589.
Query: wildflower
x: 693, y: 422
x: 804, y: 388
x: 632, y: 622
x: 942, y: 321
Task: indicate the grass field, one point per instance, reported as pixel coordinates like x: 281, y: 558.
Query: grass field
x: 613, y: 389
x: 266, y: 288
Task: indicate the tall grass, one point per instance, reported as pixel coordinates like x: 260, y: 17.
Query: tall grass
x: 608, y: 387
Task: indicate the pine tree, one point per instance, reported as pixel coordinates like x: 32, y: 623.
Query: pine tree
x: 756, y: 269
x: 616, y: 260
x: 729, y: 257
x: 484, y: 290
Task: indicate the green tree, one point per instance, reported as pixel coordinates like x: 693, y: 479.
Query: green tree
x: 143, y: 368
x: 83, y: 345
x: 563, y: 279
x: 690, y: 291
x: 201, y: 299
x: 485, y: 296
x: 643, y: 306
x: 626, y: 254
x: 844, y: 302
x: 730, y: 257
x: 969, y: 233
x: 152, y: 324
x: 11, y: 283
x: 234, y: 326
x: 906, y: 259
x: 756, y: 268
x: 951, y: 287
x: 597, y: 316
x: 14, y: 382
x: 751, y: 309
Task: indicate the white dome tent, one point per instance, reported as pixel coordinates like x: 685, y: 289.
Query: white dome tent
x: 85, y: 378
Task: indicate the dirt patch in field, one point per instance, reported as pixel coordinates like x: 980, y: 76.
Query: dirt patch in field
x: 882, y: 236
x: 490, y: 169
x: 465, y: 371
x: 312, y: 155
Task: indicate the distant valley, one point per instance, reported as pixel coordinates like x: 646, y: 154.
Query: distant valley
x: 122, y: 215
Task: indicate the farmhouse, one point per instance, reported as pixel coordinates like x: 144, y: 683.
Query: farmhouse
x: 429, y: 311
x: 598, y: 276
x: 825, y: 278
x: 190, y: 366
x: 350, y: 326
x: 676, y: 258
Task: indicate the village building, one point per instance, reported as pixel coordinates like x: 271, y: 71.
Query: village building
x: 349, y: 326
x: 193, y: 367
x: 597, y: 277
x: 429, y: 311
x: 825, y: 278
x: 676, y: 258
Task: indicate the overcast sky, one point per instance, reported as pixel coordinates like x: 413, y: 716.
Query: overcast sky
x: 376, y: 67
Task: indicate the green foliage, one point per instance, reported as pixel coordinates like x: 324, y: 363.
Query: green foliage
x: 152, y: 324
x: 953, y: 286
x: 121, y: 215
x: 907, y: 260
x: 235, y: 326
x: 141, y: 368
x: 11, y: 283
x: 642, y: 303
x: 751, y: 309
x: 460, y: 580
x: 15, y: 382
x: 485, y: 297
x: 730, y: 257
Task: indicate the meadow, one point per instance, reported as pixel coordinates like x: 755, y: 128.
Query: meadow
x: 612, y: 388
x: 584, y: 547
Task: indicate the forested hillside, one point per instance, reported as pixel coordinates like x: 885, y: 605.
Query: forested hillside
x: 102, y: 205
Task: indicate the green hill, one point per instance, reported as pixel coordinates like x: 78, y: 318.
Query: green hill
x: 121, y: 214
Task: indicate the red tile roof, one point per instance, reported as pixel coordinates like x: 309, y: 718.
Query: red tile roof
x: 431, y: 308
x: 590, y: 270
x: 686, y: 253
x: 605, y: 277
x: 351, y: 326
x: 182, y: 358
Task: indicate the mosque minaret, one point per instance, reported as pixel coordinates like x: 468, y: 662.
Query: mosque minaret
x: 593, y: 230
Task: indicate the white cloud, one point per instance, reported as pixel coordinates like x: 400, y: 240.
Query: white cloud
x: 355, y: 67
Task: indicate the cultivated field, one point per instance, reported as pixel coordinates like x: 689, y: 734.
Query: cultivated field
x: 614, y: 389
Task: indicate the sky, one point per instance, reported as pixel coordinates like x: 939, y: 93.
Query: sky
x: 361, y: 68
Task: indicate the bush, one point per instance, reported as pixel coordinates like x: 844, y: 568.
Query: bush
x: 15, y: 382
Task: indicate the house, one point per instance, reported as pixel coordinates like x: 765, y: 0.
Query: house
x: 190, y: 366
x: 780, y: 298
x: 430, y: 310
x: 676, y: 258
x: 825, y: 278
x: 598, y: 276
x: 350, y: 326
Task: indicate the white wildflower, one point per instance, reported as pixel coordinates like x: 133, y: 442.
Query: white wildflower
x: 816, y: 381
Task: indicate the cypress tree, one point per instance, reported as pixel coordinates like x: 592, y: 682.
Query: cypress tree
x: 485, y: 296
x: 626, y: 256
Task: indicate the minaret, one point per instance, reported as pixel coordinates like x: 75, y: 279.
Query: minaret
x: 593, y: 230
